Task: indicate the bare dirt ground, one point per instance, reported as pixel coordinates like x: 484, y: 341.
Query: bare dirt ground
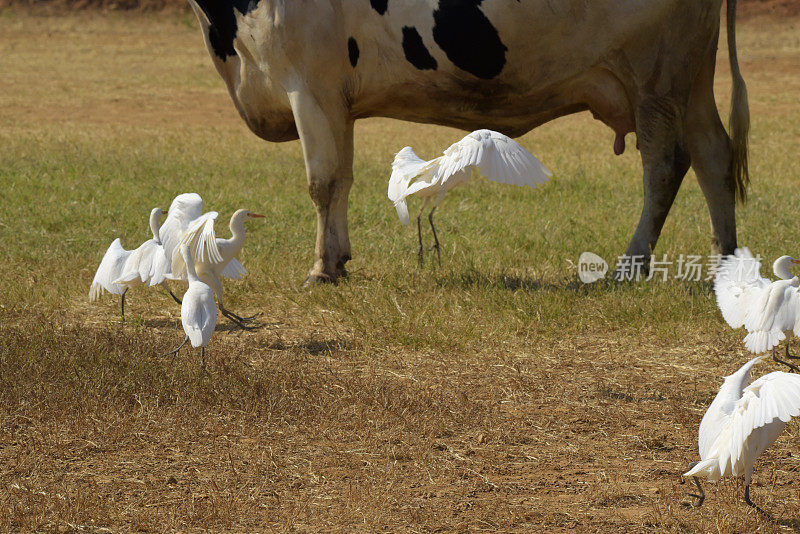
x: 776, y: 8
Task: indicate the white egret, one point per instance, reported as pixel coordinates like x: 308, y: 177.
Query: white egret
x: 122, y: 269
x: 198, y: 310
x: 767, y: 309
x: 742, y: 422
x: 213, y: 257
x: 484, y: 152
x: 110, y: 269
x: 184, y: 209
x: 147, y: 264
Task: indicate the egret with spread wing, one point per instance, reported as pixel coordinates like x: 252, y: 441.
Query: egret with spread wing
x: 198, y: 310
x: 110, y: 269
x: 741, y: 423
x: 485, y: 152
x: 213, y: 257
x: 122, y: 269
x: 147, y: 264
x: 185, y: 208
x: 766, y: 308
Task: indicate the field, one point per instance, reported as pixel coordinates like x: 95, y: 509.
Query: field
x: 494, y: 393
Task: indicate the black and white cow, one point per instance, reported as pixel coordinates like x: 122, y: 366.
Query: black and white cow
x: 308, y: 69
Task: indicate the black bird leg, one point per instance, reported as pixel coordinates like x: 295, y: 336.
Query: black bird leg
x: 791, y: 366
x: 700, y: 496
x: 176, y: 299
x: 789, y: 356
x: 754, y: 505
x: 435, y: 238
x: 420, y: 253
x: 241, y: 322
x: 123, y: 304
x: 175, y: 351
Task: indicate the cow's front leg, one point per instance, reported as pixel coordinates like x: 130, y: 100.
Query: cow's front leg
x: 326, y: 133
x: 665, y: 158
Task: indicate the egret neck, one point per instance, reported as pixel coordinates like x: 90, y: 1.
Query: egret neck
x: 781, y: 267
x: 191, y: 274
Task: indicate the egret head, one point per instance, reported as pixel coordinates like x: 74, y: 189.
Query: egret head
x: 240, y: 216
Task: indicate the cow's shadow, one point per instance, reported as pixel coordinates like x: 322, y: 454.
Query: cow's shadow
x: 472, y: 279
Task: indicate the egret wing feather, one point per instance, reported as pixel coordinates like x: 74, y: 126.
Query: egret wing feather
x: 202, y: 243
x: 145, y: 265
x: 739, y: 286
x: 496, y: 156
x: 774, y: 396
x: 110, y: 269
x: 407, y: 167
x: 184, y: 208
x: 234, y: 270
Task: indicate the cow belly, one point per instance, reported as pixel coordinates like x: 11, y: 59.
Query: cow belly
x: 506, y: 108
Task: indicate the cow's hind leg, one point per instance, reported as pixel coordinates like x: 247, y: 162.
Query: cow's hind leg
x: 712, y: 158
x: 659, y: 131
x: 327, y: 138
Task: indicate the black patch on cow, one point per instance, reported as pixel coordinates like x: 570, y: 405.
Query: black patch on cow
x: 379, y: 5
x: 468, y: 38
x: 352, y: 51
x: 222, y: 28
x: 415, y: 50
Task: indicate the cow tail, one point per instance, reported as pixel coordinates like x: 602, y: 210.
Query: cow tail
x: 739, y: 124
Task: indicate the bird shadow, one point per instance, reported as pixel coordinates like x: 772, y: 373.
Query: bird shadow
x: 473, y: 278
x: 312, y: 346
x: 159, y: 323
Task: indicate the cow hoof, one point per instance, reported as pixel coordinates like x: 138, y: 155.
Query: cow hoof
x: 341, y: 271
x: 317, y: 279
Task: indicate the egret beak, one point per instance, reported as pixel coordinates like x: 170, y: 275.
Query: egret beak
x: 795, y: 261
x: 163, y: 212
x: 258, y: 216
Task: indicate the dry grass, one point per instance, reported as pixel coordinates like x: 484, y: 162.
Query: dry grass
x: 493, y: 394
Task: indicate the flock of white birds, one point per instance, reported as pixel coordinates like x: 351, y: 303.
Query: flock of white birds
x: 183, y: 248
x: 743, y: 420
x: 746, y: 418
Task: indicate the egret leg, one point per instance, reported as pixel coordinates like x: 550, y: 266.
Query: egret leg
x: 241, y: 322
x: 175, y: 351
x: 203, y: 354
x: 789, y: 356
x: 123, y: 304
x: 754, y: 505
x: 435, y: 238
x: 791, y: 366
x: 176, y: 299
x: 420, y: 253
x: 700, y: 496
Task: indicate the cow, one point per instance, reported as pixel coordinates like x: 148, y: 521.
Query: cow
x: 307, y: 69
